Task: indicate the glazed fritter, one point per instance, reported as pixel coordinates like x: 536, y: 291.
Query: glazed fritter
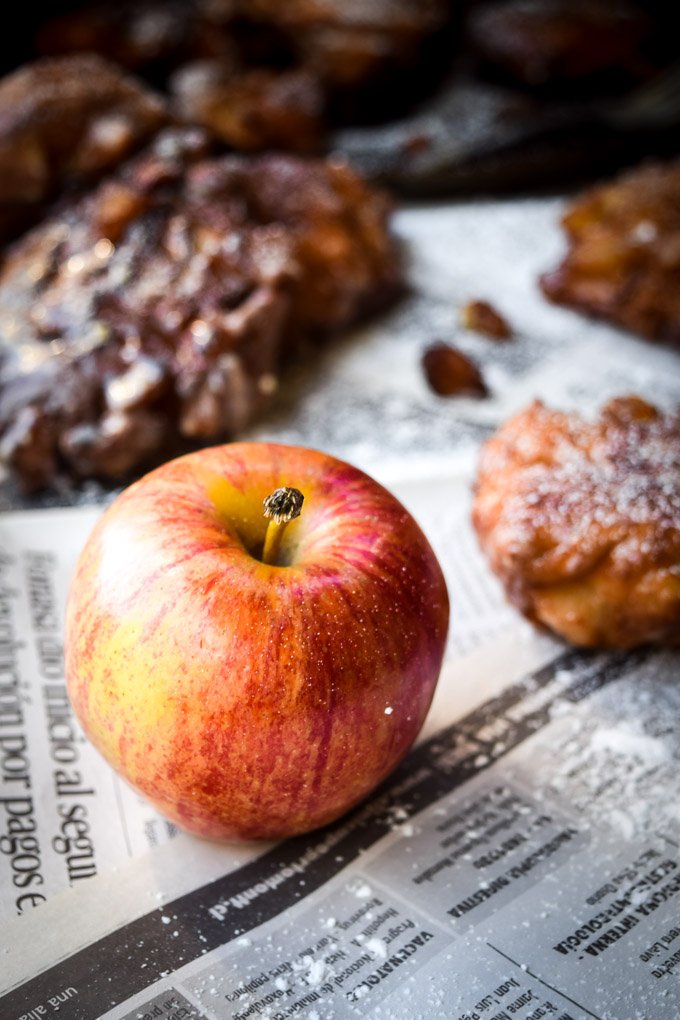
x: 581, y: 521
x: 64, y: 122
x: 350, y: 42
x: 161, y: 306
x: 148, y: 36
x: 252, y: 109
x: 547, y: 42
x: 430, y: 98
x: 359, y: 61
x: 623, y: 260
x: 346, y: 42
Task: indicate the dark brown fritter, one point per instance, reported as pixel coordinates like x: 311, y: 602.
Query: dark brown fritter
x: 348, y: 42
x: 543, y: 42
x: 623, y: 261
x: 141, y: 35
x: 430, y: 98
x: 64, y: 122
x: 581, y: 521
x: 271, y: 76
x: 346, y: 260
x: 252, y: 110
x: 160, y: 306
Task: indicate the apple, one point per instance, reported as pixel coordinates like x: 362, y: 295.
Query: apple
x: 254, y: 679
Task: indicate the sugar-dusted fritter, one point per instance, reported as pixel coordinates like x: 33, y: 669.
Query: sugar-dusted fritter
x: 160, y: 307
x: 581, y: 521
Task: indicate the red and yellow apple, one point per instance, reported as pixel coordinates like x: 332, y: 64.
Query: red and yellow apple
x: 244, y: 698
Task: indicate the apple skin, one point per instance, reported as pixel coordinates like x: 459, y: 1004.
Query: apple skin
x: 246, y: 700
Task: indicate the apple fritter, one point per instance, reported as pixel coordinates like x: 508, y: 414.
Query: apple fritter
x: 142, y: 35
x: 623, y: 260
x: 547, y: 42
x: 280, y: 72
x: 346, y: 42
x: 252, y: 109
x: 350, y: 42
x: 430, y: 97
x: 64, y: 122
x: 581, y: 521
x: 160, y: 307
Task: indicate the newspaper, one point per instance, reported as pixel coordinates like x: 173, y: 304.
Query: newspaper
x: 522, y: 863
x: 65, y: 816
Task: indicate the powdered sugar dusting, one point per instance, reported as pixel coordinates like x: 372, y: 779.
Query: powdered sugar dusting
x: 617, y: 751
x: 560, y: 498
x: 611, y: 472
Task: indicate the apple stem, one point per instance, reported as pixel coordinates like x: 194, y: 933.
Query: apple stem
x: 281, y: 506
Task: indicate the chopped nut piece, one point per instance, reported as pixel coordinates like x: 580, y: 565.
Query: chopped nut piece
x: 483, y: 318
x: 451, y: 373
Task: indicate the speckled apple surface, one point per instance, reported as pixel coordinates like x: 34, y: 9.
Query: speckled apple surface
x: 248, y: 700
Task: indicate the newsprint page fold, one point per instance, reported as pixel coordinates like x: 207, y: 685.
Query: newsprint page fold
x: 522, y: 863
